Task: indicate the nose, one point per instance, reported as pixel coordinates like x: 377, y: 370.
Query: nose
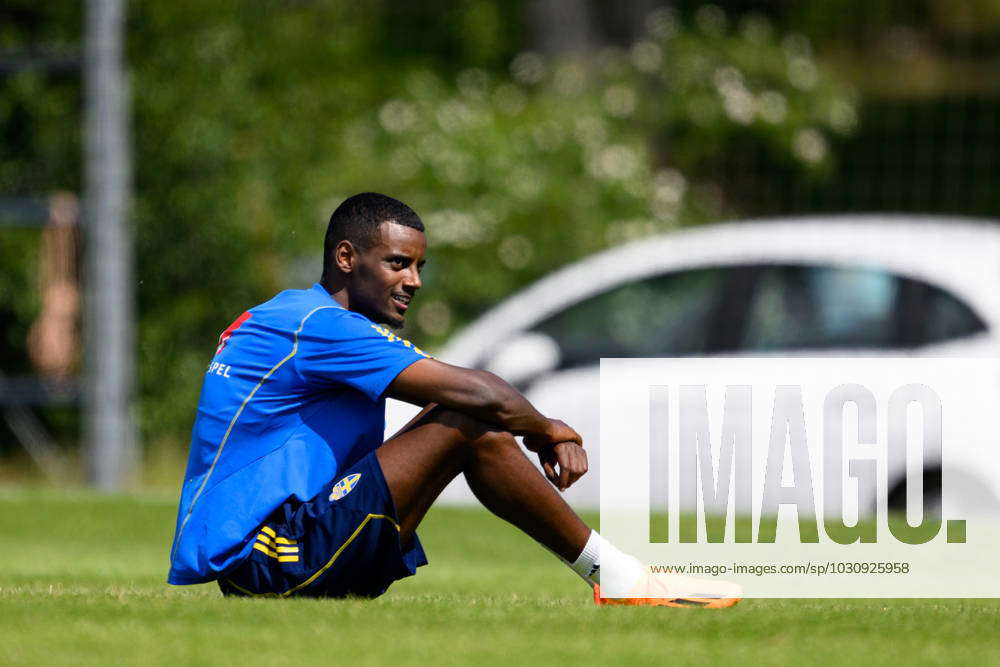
x: 412, y: 279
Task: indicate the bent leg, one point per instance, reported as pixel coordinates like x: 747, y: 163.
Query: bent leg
x: 420, y: 461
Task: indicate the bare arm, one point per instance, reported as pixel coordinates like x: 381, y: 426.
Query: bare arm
x: 489, y: 398
x: 478, y: 393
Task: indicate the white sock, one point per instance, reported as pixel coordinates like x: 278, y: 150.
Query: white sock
x: 602, y: 561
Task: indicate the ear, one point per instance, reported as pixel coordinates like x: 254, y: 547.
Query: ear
x: 344, y: 256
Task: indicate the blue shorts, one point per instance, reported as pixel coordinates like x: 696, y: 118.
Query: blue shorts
x: 345, y: 541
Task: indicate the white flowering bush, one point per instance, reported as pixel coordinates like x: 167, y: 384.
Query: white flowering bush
x: 520, y: 173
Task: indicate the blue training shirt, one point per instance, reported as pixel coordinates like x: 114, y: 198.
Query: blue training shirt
x: 293, y: 396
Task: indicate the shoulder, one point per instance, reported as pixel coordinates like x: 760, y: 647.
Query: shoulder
x: 334, y: 320
x: 296, y: 307
x: 339, y: 325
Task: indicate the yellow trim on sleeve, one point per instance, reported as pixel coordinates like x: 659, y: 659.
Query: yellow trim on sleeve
x: 284, y: 540
x: 392, y: 338
x: 287, y: 550
x: 268, y: 530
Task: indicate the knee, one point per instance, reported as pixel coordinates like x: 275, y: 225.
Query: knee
x: 496, y: 439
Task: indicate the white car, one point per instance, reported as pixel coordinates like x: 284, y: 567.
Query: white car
x: 833, y: 286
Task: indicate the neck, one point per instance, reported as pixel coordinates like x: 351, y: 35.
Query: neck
x: 338, y: 293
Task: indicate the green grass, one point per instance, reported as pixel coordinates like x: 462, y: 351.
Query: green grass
x: 81, y: 582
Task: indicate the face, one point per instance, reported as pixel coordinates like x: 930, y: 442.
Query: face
x: 385, y: 277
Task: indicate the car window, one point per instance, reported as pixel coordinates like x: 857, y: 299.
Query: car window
x: 669, y: 315
x: 825, y: 307
x: 797, y: 307
x: 946, y: 318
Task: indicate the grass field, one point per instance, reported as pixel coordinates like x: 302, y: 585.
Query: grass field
x: 81, y: 582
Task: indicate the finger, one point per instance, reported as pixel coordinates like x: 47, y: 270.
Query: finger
x: 578, y: 466
x: 564, y: 471
x: 572, y: 468
x: 561, y: 455
x: 581, y: 464
x: 550, y: 471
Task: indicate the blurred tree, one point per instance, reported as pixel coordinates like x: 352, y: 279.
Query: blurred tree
x: 558, y: 27
x: 928, y: 100
x: 519, y: 174
x: 253, y: 120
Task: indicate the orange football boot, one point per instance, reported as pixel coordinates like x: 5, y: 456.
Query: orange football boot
x: 665, y: 591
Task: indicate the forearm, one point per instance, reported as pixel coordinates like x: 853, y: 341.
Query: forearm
x: 478, y: 393
x: 508, y: 408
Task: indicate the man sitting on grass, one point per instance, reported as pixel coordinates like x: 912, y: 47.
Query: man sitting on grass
x: 290, y: 489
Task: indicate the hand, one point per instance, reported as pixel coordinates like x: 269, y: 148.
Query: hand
x: 571, y: 459
x: 556, y: 432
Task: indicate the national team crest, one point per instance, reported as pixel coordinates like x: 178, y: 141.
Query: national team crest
x: 344, y: 486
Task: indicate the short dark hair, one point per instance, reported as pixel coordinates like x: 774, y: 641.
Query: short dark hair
x: 357, y: 220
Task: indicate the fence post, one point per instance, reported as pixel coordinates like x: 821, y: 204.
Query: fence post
x: 109, y: 316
